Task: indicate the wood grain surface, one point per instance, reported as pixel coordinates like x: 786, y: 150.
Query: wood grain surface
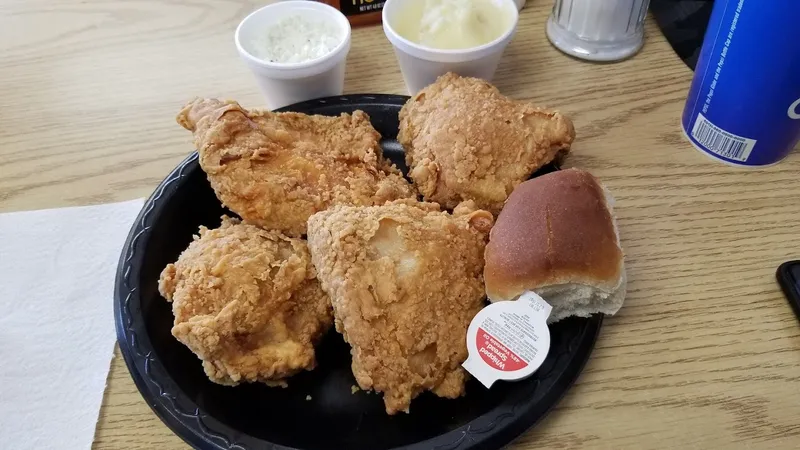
x: 704, y: 354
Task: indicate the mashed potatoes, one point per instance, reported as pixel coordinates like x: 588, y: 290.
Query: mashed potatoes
x: 453, y: 24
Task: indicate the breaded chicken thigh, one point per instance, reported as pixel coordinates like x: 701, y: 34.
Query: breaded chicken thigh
x: 247, y: 302
x: 277, y: 169
x: 405, y: 280
x: 466, y: 141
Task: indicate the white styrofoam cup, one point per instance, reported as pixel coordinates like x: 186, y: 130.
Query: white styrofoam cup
x: 286, y: 83
x: 421, y: 65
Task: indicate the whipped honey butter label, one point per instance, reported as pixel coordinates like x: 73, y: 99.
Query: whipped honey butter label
x: 508, y: 340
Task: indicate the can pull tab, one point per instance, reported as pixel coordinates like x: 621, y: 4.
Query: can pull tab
x: 508, y: 340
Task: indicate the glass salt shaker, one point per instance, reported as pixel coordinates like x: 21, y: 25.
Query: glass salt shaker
x: 598, y: 30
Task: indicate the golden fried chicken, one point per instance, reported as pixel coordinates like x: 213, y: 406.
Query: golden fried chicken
x: 277, y: 169
x: 466, y: 141
x: 247, y: 302
x: 405, y: 280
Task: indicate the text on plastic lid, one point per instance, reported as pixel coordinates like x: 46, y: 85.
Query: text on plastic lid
x: 508, y: 340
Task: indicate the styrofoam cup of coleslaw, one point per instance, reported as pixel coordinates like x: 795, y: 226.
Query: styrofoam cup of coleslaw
x: 421, y: 65
x: 274, y: 43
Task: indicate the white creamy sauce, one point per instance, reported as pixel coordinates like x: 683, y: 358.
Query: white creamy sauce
x: 452, y: 24
x: 297, y: 38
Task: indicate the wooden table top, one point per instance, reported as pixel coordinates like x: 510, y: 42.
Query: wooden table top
x: 704, y: 354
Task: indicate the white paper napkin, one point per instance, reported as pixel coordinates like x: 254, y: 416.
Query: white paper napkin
x: 56, y: 321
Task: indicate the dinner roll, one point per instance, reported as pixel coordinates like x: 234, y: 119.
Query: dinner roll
x: 556, y: 236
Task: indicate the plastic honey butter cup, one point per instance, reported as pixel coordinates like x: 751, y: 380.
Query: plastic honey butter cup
x: 286, y: 83
x: 421, y: 65
x: 508, y: 340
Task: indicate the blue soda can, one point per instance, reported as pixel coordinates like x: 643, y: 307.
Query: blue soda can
x: 744, y: 104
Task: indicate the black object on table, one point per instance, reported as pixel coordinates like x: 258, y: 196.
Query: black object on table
x: 789, y: 279
x: 318, y: 410
x: 683, y: 23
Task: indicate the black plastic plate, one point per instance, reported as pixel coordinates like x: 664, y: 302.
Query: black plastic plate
x: 254, y: 416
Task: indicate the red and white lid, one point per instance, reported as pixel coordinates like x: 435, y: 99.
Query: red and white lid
x: 508, y: 340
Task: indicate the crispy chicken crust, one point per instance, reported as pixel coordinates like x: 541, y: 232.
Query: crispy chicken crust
x: 277, y: 169
x: 247, y: 302
x: 405, y: 280
x: 466, y: 141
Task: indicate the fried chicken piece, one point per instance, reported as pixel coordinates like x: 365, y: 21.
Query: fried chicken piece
x: 247, y: 302
x: 466, y: 141
x: 277, y: 169
x: 405, y: 280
